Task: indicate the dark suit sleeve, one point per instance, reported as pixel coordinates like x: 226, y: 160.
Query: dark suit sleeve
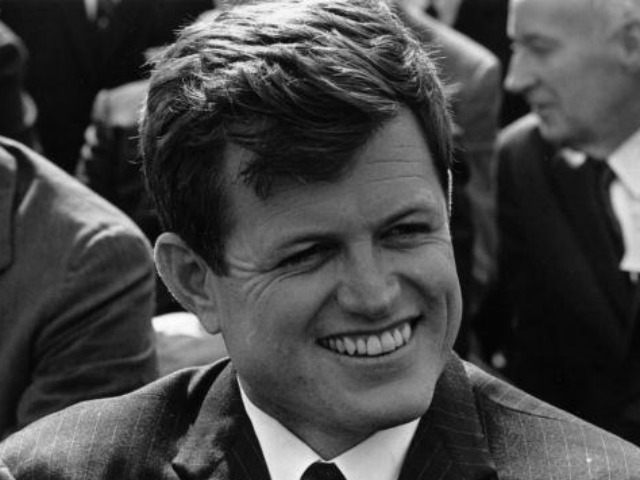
x: 98, y: 341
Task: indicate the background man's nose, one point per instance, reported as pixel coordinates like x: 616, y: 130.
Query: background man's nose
x: 519, y: 77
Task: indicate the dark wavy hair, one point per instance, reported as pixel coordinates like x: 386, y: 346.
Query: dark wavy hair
x: 302, y: 84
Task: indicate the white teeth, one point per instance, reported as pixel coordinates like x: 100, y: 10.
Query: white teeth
x: 350, y: 346
x: 388, y: 343
x: 406, y: 332
x: 372, y: 345
x: 397, y: 336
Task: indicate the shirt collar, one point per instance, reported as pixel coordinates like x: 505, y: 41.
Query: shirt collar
x: 625, y: 162
x: 573, y: 158
x: 379, y: 457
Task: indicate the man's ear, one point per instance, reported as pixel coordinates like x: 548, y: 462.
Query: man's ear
x: 629, y: 44
x: 188, y: 277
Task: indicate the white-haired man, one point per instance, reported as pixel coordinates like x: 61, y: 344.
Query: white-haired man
x: 569, y: 201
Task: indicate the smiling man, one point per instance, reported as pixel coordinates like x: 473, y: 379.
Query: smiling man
x: 569, y: 199
x: 298, y: 154
x: 341, y: 301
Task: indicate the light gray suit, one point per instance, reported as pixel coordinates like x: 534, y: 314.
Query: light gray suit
x: 76, y: 293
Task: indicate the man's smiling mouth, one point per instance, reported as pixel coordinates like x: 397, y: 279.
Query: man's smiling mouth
x: 372, y: 344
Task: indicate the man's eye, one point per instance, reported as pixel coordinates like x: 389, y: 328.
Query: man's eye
x: 314, y: 253
x: 409, y: 229
x: 408, y: 232
x: 540, y: 48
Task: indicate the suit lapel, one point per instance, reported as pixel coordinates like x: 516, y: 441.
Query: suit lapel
x: 450, y: 442
x: 221, y: 444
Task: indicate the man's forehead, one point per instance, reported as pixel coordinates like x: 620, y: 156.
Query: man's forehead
x: 549, y: 17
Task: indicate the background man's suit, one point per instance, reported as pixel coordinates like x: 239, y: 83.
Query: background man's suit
x: 191, y: 425
x: 76, y: 293
x: 575, y: 335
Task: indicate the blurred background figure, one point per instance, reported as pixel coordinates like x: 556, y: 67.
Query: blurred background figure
x: 484, y: 21
x: 76, y: 293
x: 77, y: 48
x: 17, y: 109
x: 566, y: 304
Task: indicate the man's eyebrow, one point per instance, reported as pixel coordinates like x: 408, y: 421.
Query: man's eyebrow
x: 409, y: 211
x: 302, y: 238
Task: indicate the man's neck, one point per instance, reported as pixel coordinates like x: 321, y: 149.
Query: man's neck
x: 615, y: 132
x: 379, y: 456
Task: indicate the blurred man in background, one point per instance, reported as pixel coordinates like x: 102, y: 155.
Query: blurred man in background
x: 569, y: 204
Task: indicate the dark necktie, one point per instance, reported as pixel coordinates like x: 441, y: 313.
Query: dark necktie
x: 322, y: 471
x: 602, y: 176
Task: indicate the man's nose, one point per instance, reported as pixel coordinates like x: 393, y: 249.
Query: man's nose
x: 520, y: 76
x: 367, y: 289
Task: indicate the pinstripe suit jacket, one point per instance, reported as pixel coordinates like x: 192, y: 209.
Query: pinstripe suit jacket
x: 192, y: 425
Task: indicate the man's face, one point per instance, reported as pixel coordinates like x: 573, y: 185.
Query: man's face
x: 342, y: 302
x: 564, y: 64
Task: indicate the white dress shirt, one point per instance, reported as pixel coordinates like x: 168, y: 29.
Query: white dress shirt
x: 625, y: 197
x: 379, y: 457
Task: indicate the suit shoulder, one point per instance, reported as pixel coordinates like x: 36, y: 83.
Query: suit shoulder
x: 524, y: 432
x: 112, y: 437
x: 43, y: 189
x: 521, y: 132
x: 47, y: 199
x: 521, y: 149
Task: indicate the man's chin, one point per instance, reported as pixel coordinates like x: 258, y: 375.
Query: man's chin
x: 553, y: 133
x: 402, y: 418
x: 398, y: 411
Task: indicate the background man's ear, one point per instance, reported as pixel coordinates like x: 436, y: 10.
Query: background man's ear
x: 629, y: 36
x: 187, y: 277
